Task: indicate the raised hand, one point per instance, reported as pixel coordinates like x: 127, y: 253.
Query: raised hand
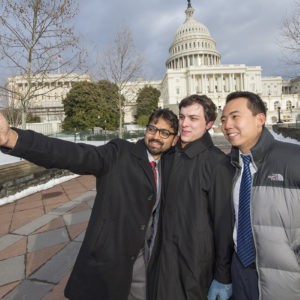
x: 8, y: 137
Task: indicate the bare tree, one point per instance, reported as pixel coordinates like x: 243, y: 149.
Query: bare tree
x: 290, y: 36
x: 121, y: 63
x: 36, y: 39
x: 12, y: 114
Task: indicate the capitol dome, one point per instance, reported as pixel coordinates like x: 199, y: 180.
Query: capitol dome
x: 192, y: 45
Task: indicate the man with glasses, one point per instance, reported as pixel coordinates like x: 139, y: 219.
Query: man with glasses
x: 196, y: 234
x: 116, y: 250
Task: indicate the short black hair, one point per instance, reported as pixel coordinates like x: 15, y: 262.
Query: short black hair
x: 167, y: 115
x: 254, y: 103
x: 210, y: 109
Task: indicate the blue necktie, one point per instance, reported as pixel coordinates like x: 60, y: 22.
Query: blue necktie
x: 245, y: 246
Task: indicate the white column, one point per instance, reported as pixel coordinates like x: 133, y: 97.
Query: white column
x: 222, y: 83
x: 192, y: 84
x: 243, y: 82
x: 227, y: 83
x: 189, y: 85
x: 230, y: 83
x: 238, y: 82
x: 199, y: 84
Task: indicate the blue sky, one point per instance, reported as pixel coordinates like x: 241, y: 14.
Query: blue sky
x: 246, y: 32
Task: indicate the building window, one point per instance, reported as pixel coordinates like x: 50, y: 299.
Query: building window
x: 289, y: 105
x: 177, y: 91
x: 276, y: 103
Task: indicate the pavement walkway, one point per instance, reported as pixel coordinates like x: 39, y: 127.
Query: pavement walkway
x: 40, y: 236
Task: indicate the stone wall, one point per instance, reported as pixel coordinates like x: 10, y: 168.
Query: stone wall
x: 292, y: 132
x: 19, y: 176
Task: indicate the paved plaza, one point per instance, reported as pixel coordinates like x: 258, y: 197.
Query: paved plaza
x: 40, y: 236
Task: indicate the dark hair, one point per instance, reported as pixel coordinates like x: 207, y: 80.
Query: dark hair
x: 167, y: 115
x: 208, y: 106
x: 254, y: 103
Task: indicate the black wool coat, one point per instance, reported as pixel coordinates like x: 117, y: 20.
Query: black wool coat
x: 126, y: 193
x: 196, y: 224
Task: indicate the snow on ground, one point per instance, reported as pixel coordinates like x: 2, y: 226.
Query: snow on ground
x: 280, y: 137
x: 34, y: 189
x: 6, y: 159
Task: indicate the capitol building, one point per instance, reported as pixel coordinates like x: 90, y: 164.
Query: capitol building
x: 193, y: 67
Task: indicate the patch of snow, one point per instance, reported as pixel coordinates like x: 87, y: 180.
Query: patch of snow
x: 280, y: 137
x: 35, y: 189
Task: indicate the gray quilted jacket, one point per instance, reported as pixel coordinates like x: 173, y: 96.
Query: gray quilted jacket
x: 275, y: 216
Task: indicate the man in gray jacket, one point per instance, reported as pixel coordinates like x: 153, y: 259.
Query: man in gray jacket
x: 266, y: 201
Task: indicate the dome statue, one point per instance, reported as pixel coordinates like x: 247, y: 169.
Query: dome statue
x: 192, y: 45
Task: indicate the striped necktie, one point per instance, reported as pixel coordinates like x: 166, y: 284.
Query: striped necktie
x: 245, y: 246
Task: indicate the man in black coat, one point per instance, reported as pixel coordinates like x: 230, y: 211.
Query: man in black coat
x: 196, y: 232
x: 115, y: 253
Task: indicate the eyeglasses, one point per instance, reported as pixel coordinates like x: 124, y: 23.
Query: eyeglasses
x: 164, y: 133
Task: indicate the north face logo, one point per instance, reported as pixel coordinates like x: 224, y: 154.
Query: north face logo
x: 276, y: 177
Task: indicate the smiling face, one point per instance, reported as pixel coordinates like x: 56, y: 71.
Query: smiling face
x: 240, y: 127
x: 192, y: 123
x: 155, y: 144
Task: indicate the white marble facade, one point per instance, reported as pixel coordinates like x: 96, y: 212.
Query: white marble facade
x: 49, y: 89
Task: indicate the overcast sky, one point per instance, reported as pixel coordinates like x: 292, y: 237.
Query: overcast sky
x: 246, y: 32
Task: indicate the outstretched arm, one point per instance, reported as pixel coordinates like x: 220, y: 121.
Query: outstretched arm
x: 8, y: 137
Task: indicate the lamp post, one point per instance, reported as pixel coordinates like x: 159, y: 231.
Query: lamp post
x: 292, y: 108
x: 278, y: 109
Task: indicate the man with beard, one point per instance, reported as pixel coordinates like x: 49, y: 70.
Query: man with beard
x: 116, y: 250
